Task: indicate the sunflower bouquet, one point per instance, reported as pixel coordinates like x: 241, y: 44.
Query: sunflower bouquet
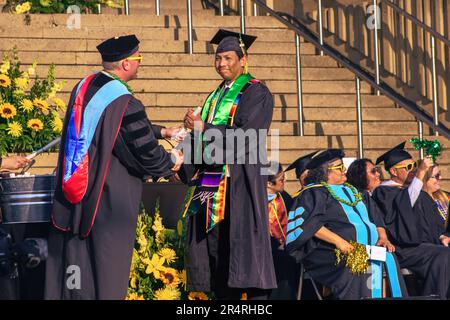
x: 157, y: 268
x: 30, y: 112
x: 57, y: 6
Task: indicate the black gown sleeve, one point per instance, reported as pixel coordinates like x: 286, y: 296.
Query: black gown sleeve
x: 374, y: 211
x: 305, y: 218
x: 157, y: 130
x: 137, y: 147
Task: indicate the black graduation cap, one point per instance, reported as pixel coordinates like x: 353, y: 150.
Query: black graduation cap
x: 300, y: 164
x: 118, y: 48
x: 324, y: 156
x: 231, y: 41
x: 394, y: 156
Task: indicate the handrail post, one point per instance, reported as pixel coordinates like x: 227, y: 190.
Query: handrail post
x: 242, y: 12
x: 377, y: 58
x: 127, y: 7
x: 435, y: 88
x: 255, y: 9
x: 420, y: 131
x: 221, y: 8
x: 157, y: 7
x: 190, y: 38
x: 99, y: 8
x: 320, y: 26
x: 359, y: 118
x: 299, y: 85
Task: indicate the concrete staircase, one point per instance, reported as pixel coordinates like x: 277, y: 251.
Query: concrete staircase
x: 170, y: 80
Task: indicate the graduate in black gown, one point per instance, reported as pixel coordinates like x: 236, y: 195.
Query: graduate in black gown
x: 410, y: 217
x: 327, y: 214
x: 300, y: 168
x: 228, y: 249
x: 107, y: 147
x: 286, y: 268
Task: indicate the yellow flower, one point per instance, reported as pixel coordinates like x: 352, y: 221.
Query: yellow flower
x: 45, y: 3
x: 142, y: 241
x: 183, y: 278
x: 157, y: 224
x: 40, y: 104
x: 21, y: 83
x: 26, y: 6
x: 155, y: 265
x: 134, y: 296
x: 197, y: 296
x: 59, y: 103
x: 35, y: 125
x: 4, y: 68
x: 57, y: 124
x: 14, y: 129
x: 32, y: 70
x: 168, y: 254
x: 7, y: 111
x: 5, y: 82
x: 133, y: 281
x: 167, y: 294
x: 26, y: 105
x: 169, y: 277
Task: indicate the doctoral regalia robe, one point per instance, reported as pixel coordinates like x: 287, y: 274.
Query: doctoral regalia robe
x: 244, y: 257
x: 314, y: 208
x: 415, y: 231
x: 93, y: 239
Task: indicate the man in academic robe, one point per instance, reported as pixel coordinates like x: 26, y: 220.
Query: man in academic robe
x: 108, y: 145
x: 408, y: 217
x: 328, y: 214
x: 228, y: 247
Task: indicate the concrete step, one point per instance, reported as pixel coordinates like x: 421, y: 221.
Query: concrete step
x: 310, y: 114
x: 143, y: 33
x: 206, y: 86
x: 168, y: 46
x: 205, y: 73
x: 173, y: 59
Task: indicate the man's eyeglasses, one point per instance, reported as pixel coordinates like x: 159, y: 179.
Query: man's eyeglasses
x: 339, y: 167
x: 140, y: 58
x: 408, y: 167
x: 437, y: 176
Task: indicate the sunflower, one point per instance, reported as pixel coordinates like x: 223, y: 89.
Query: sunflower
x: 27, y: 105
x: 57, y: 124
x: 155, y: 265
x: 59, y: 103
x: 168, y: 254
x: 21, y: 83
x: 35, y: 125
x: 169, y: 277
x: 40, y: 104
x: 167, y: 294
x: 197, y: 296
x: 183, y: 278
x: 134, y: 296
x: 14, y: 129
x: 7, y: 111
x: 5, y: 82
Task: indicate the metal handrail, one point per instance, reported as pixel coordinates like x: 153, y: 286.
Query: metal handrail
x: 417, y: 22
x: 297, y: 26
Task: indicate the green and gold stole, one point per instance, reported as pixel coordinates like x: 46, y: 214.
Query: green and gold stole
x: 219, y: 109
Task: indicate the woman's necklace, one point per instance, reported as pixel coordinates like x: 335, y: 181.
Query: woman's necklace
x: 355, y: 192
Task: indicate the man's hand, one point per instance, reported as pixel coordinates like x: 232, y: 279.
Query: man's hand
x: 384, y: 242
x: 444, y: 240
x: 171, y: 133
x: 178, y: 158
x: 14, y: 162
x: 193, y: 121
x: 424, y: 165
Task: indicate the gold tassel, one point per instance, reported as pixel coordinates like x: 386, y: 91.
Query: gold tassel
x: 244, y: 52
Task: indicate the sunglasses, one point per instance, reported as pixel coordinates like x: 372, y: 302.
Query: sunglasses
x: 437, y: 176
x: 408, y: 167
x: 140, y: 58
x: 340, y: 167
